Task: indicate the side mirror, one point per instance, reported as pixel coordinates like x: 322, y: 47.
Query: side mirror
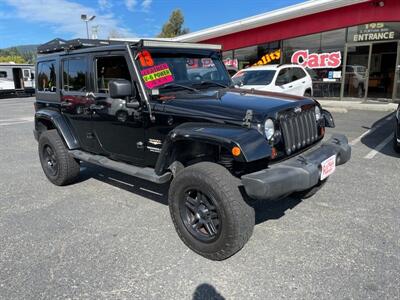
x: 120, y: 88
x: 329, y: 122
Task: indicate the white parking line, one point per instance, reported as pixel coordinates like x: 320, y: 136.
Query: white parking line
x: 355, y: 141
x: 6, y: 122
x: 379, y: 147
x: 120, y: 181
x: 27, y: 118
x: 150, y: 191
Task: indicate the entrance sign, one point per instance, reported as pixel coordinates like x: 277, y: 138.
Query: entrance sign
x: 330, y: 60
x: 373, y: 32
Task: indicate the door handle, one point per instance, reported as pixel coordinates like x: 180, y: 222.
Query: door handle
x: 66, y: 104
x: 96, y: 107
x: 290, y: 86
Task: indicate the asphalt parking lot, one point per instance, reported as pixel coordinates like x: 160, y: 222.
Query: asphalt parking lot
x: 110, y: 236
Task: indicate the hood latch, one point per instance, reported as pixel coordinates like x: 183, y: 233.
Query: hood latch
x: 248, y: 118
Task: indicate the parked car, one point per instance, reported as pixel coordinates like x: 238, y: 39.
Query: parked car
x: 218, y: 147
x: 288, y: 79
x: 396, y: 139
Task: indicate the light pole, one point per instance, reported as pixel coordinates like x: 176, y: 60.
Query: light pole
x: 87, y: 19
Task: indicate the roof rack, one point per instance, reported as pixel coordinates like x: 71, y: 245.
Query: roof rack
x: 58, y: 45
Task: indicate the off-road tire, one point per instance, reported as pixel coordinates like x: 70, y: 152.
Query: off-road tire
x: 237, y: 217
x: 67, y: 168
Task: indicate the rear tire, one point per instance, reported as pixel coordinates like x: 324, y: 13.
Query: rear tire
x: 59, y: 167
x: 209, y: 212
x: 307, y: 93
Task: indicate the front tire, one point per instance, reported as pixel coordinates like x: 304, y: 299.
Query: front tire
x: 209, y: 212
x: 59, y: 167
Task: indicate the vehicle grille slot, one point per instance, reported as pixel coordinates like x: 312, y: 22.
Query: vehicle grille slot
x: 299, y: 130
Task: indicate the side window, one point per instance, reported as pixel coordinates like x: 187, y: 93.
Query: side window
x: 3, y: 74
x: 283, y: 76
x: 47, y: 76
x: 74, y: 74
x: 109, y: 68
x: 26, y: 74
x: 298, y: 73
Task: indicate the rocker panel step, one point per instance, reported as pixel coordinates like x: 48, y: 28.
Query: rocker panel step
x: 143, y: 173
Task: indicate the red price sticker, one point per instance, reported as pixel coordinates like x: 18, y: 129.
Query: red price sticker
x: 145, y: 59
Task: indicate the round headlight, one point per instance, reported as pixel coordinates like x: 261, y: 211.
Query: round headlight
x: 318, y: 114
x: 269, y: 128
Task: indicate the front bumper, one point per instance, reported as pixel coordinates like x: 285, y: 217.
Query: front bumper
x: 296, y: 174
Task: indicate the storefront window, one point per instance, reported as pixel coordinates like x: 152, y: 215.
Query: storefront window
x: 322, y: 55
x: 230, y: 62
x: 246, y: 56
x: 269, y: 53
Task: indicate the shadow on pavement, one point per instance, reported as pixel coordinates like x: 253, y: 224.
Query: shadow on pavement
x: 206, y: 291
x: 384, y: 130
x: 273, y: 210
x: 152, y: 191
x: 264, y: 210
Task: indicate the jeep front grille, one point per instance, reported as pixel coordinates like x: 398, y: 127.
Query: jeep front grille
x: 299, y: 130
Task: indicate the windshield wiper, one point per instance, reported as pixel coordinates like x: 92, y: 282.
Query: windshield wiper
x: 180, y: 85
x: 213, y: 82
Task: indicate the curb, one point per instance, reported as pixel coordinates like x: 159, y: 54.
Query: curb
x: 343, y: 106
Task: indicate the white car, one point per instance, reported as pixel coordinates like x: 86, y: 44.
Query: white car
x: 289, y: 79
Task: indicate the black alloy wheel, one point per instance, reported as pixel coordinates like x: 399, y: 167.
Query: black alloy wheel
x: 50, y: 160
x: 200, y: 215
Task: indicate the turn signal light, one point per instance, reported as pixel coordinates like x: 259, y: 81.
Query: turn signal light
x: 274, y: 153
x: 236, y: 151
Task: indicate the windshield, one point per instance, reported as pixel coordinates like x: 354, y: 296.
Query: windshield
x: 259, y: 77
x: 184, y: 71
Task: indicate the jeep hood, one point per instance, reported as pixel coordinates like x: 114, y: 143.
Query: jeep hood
x: 232, y: 104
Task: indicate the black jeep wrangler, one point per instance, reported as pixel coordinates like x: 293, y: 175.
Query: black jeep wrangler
x: 166, y: 111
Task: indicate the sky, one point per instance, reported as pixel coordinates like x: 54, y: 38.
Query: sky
x: 25, y: 22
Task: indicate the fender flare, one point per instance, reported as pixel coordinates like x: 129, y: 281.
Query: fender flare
x: 252, y: 143
x: 60, y: 123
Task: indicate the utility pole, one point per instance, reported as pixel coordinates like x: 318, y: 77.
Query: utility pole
x: 87, y: 19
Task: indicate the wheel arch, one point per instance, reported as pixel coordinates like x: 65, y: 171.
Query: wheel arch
x: 216, y: 138
x: 47, y: 119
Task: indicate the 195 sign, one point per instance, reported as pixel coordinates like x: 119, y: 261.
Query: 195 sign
x: 329, y: 60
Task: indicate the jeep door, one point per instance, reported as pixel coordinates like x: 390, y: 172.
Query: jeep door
x: 118, y: 127
x: 75, y: 104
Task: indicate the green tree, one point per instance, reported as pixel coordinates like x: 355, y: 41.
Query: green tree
x: 12, y: 58
x: 173, y: 27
